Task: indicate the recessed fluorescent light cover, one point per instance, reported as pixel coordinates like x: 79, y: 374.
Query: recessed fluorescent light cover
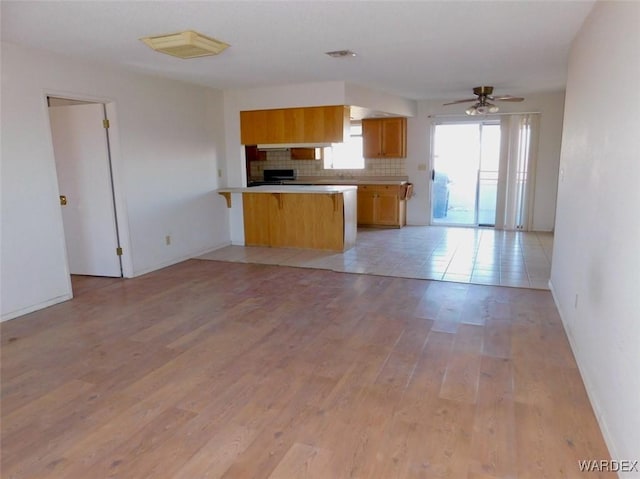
x: 187, y: 44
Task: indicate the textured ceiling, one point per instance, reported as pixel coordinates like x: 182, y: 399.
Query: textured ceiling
x: 414, y: 49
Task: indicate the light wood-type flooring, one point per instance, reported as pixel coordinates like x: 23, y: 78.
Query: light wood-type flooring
x: 211, y: 369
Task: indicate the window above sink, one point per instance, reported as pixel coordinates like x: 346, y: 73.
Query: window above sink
x: 347, y: 155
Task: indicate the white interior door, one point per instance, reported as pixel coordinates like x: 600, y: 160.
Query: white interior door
x: 84, y: 177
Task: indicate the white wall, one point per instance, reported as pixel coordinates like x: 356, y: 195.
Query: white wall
x: 169, y: 144
x: 374, y: 100
x: 550, y: 105
x: 596, y: 259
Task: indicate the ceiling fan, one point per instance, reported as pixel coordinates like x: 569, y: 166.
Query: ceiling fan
x: 482, y: 105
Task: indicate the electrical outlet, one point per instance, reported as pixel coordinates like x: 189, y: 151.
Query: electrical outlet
x: 167, y: 240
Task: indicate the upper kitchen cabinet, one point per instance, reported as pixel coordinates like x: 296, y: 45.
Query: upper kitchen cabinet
x: 384, y: 137
x: 307, y: 153
x: 320, y: 124
x: 252, y: 153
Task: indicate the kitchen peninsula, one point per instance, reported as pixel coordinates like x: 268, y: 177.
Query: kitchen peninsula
x: 297, y: 216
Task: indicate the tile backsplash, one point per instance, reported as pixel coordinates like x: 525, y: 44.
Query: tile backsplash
x: 282, y: 160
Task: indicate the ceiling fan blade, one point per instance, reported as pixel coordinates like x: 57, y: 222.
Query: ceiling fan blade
x: 460, y: 101
x: 508, y: 98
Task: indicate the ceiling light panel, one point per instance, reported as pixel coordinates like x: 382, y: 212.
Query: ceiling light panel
x: 187, y: 44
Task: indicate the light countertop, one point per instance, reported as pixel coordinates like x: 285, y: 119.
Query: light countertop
x: 357, y: 180
x: 291, y: 188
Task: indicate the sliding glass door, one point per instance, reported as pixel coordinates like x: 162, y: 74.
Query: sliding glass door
x: 465, y: 173
x: 488, y: 173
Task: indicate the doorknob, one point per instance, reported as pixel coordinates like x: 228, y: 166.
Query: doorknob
x: 63, y: 200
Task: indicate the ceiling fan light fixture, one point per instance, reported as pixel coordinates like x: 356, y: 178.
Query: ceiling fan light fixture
x: 482, y: 105
x: 487, y: 108
x: 482, y: 109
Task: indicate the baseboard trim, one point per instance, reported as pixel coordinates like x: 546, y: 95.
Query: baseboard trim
x: 35, y: 307
x: 179, y: 259
x: 595, y: 405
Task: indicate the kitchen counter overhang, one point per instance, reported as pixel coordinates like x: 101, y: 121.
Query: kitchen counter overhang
x: 317, y: 216
x: 354, y: 181
x: 291, y: 188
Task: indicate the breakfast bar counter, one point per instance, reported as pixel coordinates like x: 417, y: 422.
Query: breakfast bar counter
x: 296, y: 216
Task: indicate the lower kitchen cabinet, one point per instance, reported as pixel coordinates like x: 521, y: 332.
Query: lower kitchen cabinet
x: 382, y: 205
x: 325, y: 221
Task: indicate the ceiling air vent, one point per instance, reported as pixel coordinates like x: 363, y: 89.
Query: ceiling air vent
x: 188, y: 44
x: 341, y: 54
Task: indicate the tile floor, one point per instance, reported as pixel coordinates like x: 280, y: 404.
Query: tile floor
x: 463, y: 255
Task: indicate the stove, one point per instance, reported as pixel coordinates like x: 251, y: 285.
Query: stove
x: 274, y: 177
x: 260, y: 183
x: 279, y: 175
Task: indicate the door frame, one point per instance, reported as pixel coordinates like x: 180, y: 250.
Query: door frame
x: 113, y: 138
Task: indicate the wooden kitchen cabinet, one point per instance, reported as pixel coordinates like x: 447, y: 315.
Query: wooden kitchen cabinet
x: 252, y: 126
x: 384, y: 137
x: 321, y: 124
x: 288, y: 219
x: 365, y: 206
x: 307, y: 153
x: 252, y: 153
x: 381, y: 205
x: 269, y: 126
x: 256, y: 212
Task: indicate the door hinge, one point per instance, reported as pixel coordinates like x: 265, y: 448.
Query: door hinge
x: 105, y: 123
x: 119, y: 251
